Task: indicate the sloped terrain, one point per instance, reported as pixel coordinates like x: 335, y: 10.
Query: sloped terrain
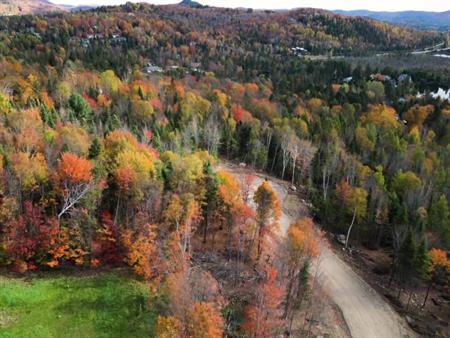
x: 365, y: 312
x: 15, y: 7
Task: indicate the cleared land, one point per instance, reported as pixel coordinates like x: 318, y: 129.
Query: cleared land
x: 366, y: 313
x: 99, y: 305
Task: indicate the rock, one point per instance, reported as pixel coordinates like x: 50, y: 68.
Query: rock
x: 340, y: 239
x: 410, y: 320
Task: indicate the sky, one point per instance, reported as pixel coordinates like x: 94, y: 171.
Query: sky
x: 377, y: 5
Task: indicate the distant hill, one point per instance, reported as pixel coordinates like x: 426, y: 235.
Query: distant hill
x: 439, y: 21
x: 192, y: 4
x: 318, y: 31
x: 20, y: 7
x: 80, y: 8
x: 240, y: 34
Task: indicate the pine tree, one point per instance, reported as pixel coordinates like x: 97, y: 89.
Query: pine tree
x: 439, y: 219
x: 95, y: 149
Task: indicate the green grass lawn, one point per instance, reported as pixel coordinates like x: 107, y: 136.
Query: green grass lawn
x: 102, y: 305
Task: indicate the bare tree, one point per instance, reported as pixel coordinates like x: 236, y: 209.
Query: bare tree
x: 211, y: 134
x: 72, y: 195
x: 293, y: 148
x: 268, y: 132
x: 306, y: 156
x: 286, y: 139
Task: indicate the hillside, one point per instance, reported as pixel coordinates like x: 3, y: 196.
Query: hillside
x: 318, y: 31
x: 20, y: 7
x: 212, y: 37
x: 122, y: 130
x: 439, y: 21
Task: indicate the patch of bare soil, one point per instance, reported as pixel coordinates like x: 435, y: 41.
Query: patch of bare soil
x: 6, y: 319
x: 322, y: 318
x: 319, y: 315
x: 373, y: 265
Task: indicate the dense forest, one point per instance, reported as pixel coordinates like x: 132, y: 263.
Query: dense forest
x: 222, y: 40
x: 113, y: 121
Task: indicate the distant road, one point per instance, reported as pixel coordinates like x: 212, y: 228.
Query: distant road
x: 439, y: 48
x: 367, y: 314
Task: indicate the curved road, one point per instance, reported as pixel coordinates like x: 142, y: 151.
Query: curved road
x: 366, y: 313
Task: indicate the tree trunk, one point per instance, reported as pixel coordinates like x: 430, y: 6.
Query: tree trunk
x: 288, y: 294
x: 238, y: 259
x: 350, y: 228
x: 393, y: 269
x: 325, y: 183
x: 260, y: 233
x: 426, y: 295
x: 205, y: 228
x: 229, y: 233
x: 379, y: 236
x: 409, y: 299
x: 117, y: 209
x: 274, y: 160
x: 284, y: 166
x: 293, y: 170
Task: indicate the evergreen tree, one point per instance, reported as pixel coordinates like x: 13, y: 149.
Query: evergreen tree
x: 439, y: 219
x: 80, y: 110
x: 95, y: 149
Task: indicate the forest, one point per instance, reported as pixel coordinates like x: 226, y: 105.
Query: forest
x: 114, y: 123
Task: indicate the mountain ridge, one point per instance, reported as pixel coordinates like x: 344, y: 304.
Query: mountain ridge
x: 191, y: 4
x: 23, y: 7
x: 424, y: 20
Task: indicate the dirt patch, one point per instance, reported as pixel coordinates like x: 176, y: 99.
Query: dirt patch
x: 321, y: 318
x: 374, y: 267
x: 6, y: 319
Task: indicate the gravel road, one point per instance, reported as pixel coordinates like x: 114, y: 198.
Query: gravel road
x: 366, y: 313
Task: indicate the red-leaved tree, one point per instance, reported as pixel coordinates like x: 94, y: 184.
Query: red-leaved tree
x: 263, y: 316
x: 30, y: 237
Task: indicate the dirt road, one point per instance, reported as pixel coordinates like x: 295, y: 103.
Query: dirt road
x: 366, y: 313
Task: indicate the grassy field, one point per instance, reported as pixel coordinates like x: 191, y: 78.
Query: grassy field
x: 103, y: 305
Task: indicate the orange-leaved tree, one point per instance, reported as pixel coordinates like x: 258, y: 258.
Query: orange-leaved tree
x: 205, y: 321
x: 439, y: 269
x: 182, y: 216
x: 230, y: 200
x: 168, y: 327
x: 141, y: 251
x: 302, y: 246
x: 268, y: 212
x: 74, y: 175
x: 263, y: 315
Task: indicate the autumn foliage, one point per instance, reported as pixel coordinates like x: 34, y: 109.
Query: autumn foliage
x: 205, y: 321
x: 168, y: 327
x: 30, y: 237
x: 74, y: 169
x: 268, y: 213
x: 438, y: 260
x: 302, y: 240
x: 141, y: 251
x: 104, y: 168
x: 263, y: 316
